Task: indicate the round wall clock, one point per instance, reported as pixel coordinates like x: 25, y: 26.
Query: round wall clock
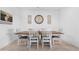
x: 39, y: 19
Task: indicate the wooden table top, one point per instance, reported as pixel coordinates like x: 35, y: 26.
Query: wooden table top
x: 23, y: 32
x: 56, y: 32
x: 27, y: 32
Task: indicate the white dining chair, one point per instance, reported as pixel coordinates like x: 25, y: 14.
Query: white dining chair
x: 46, y: 38
x: 33, y: 37
x: 22, y: 39
x: 56, y: 39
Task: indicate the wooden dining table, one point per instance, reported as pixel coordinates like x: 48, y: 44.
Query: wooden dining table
x: 22, y: 33
x: 57, y: 32
x: 27, y: 32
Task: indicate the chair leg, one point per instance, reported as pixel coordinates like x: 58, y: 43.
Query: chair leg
x: 53, y: 42
x: 42, y: 44
x: 24, y: 41
x: 19, y: 41
x: 37, y: 44
x: 30, y: 44
x: 50, y: 44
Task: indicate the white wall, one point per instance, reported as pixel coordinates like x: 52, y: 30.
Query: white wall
x: 20, y: 22
x: 33, y: 11
x: 68, y: 17
x: 70, y: 25
x: 7, y: 30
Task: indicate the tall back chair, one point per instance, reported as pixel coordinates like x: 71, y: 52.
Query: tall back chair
x: 46, y: 38
x: 22, y: 39
x: 56, y: 39
x: 33, y: 38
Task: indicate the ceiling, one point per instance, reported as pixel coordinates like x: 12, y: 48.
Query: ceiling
x: 41, y: 8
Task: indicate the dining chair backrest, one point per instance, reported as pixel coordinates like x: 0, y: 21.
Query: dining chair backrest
x: 33, y: 38
x: 30, y: 33
x: 47, y: 38
x: 46, y: 33
x: 33, y: 33
x: 56, y: 34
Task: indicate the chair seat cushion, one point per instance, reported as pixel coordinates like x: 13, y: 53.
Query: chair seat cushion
x: 45, y: 40
x: 23, y: 37
x: 48, y: 38
x: 55, y: 36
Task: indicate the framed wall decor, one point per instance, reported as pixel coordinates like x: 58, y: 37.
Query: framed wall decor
x: 39, y: 19
x: 29, y: 19
x: 49, y: 19
x: 5, y: 18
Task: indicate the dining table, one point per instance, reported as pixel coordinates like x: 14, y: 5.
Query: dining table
x: 22, y: 33
x: 40, y: 32
x: 26, y: 33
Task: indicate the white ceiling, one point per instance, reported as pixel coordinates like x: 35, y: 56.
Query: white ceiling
x: 50, y: 9
x: 41, y: 8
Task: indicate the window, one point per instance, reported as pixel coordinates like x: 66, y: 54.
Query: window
x: 5, y: 18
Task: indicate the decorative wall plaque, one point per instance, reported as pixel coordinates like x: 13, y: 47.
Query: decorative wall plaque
x: 29, y: 19
x: 49, y: 19
x: 39, y: 19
